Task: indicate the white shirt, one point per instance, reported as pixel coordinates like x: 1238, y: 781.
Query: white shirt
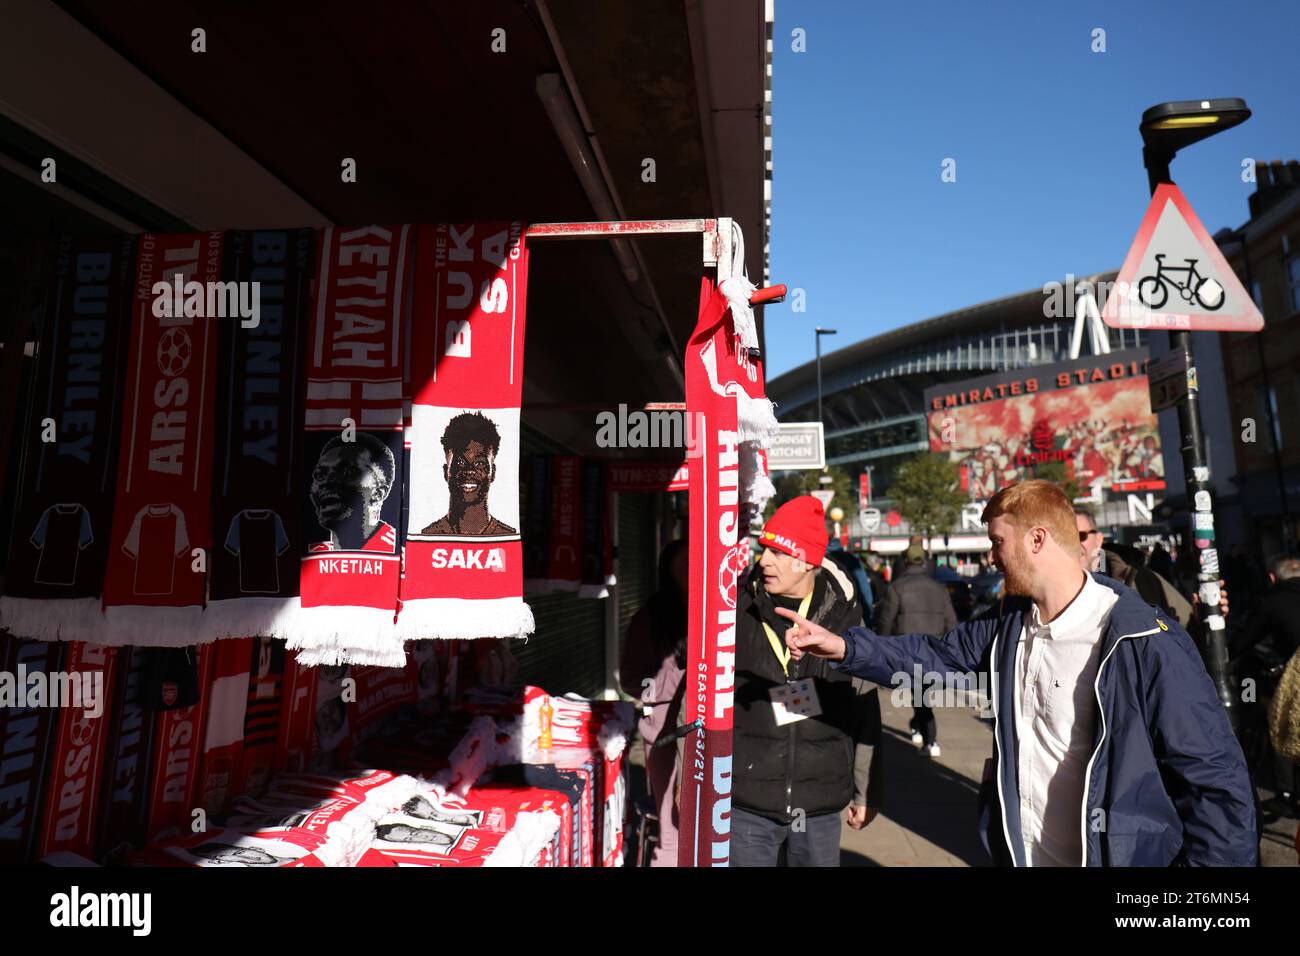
x: 1055, y: 723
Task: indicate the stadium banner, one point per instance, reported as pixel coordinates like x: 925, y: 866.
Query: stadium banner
x: 1093, y: 415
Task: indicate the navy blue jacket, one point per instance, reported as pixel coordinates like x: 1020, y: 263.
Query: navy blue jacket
x: 1167, y: 782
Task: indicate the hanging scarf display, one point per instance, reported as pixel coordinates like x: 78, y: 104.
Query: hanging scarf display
x: 464, y: 556
x: 226, y: 702
x: 126, y: 775
x: 256, y: 513
x: 354, y: 451
x: 26, y: 735
x: 63, y: 506
x: 155, y: 584
x: 81, y: 742
x: 717, y: 557
x: 178, y: 746
x: 261, y: 716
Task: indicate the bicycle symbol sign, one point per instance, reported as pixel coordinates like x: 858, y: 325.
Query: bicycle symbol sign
x: 1204, y: 291
x: 1175, y: 276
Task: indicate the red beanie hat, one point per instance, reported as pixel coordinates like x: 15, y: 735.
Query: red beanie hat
x: 797, y: 528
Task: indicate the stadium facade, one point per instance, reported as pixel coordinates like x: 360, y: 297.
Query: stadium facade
x: 887, y: 399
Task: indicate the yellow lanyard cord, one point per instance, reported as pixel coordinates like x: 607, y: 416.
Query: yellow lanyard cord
x: 778, y: 646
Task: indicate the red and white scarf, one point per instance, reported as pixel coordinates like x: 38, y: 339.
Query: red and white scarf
x: 354, y: 451
x: 78, y: 761
x: 714, y: 372
x: 463, y: 574
x: 155, y: 584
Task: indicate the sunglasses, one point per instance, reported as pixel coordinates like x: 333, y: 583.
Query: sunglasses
x: 1085, y: 535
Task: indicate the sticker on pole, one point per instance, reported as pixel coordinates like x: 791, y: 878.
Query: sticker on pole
x: 1175, y: 277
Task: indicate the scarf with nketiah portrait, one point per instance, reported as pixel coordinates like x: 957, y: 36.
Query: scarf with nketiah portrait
x: 354, y: 451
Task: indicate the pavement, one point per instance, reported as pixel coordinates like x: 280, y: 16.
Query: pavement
x: 929, y: 817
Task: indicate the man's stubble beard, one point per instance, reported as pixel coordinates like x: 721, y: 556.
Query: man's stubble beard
x: 1016, y: 572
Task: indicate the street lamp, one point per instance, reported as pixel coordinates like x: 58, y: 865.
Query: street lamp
x: 1167, y: 128
x: 819, y: 333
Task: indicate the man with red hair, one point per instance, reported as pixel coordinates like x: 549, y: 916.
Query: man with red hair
x: 1111, y: 747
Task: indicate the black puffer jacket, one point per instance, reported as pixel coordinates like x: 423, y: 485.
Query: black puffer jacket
x: 818, y: 765
x: 1277, y: 617
x: 915, y: 604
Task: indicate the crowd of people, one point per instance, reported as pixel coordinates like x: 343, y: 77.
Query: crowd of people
x: 1071, y: 611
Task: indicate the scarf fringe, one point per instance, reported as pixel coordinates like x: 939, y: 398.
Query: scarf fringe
x: 756, y: 418
x: 342, y: 634
x: 460, y: 619
x: 145, y: 625
x: 755, y: 486
x: 242, y: 617
x: 67, y: 619
x: 533, y: 830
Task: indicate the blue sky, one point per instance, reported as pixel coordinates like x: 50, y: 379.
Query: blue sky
x: 1043, y: 130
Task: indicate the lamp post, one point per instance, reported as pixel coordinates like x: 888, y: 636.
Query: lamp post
x: 818, y: 336
x: 1167, y: 128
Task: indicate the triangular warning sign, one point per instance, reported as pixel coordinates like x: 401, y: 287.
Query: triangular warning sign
x: 1175, y: 277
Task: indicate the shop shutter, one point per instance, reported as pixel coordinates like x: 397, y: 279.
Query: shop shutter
x: 636, y: 556
x: 566, y: 652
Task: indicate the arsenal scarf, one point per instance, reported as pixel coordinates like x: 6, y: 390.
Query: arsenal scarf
x: 717, y: 557
x: 178, y: 741
x: 256, y: 515
x: 464, y: 557
x: 155, y: 585
x: 754, y: 410
x: 65, y: 493
x: 223, y: 744
x: 293, y: 736
x: 79, y: 751
x: 354, y: 452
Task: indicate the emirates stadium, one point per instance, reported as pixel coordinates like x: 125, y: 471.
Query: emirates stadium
x: 1001, y: 376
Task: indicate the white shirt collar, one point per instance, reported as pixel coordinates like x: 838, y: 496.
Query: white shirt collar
x: 1077, y: 615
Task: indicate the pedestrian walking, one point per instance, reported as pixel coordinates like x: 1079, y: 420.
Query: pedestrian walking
x: 806, y: 735
x: 1111, y: 747
x: 917, y: 604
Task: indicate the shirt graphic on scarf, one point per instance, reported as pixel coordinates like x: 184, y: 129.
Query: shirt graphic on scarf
x: 257, y: 538
x: 156, y: 539
x: 62, y: 533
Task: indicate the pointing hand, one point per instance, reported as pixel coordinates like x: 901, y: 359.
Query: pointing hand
x: 803, y: 635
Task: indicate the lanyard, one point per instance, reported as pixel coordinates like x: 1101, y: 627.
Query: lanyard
x: 778, y: 647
